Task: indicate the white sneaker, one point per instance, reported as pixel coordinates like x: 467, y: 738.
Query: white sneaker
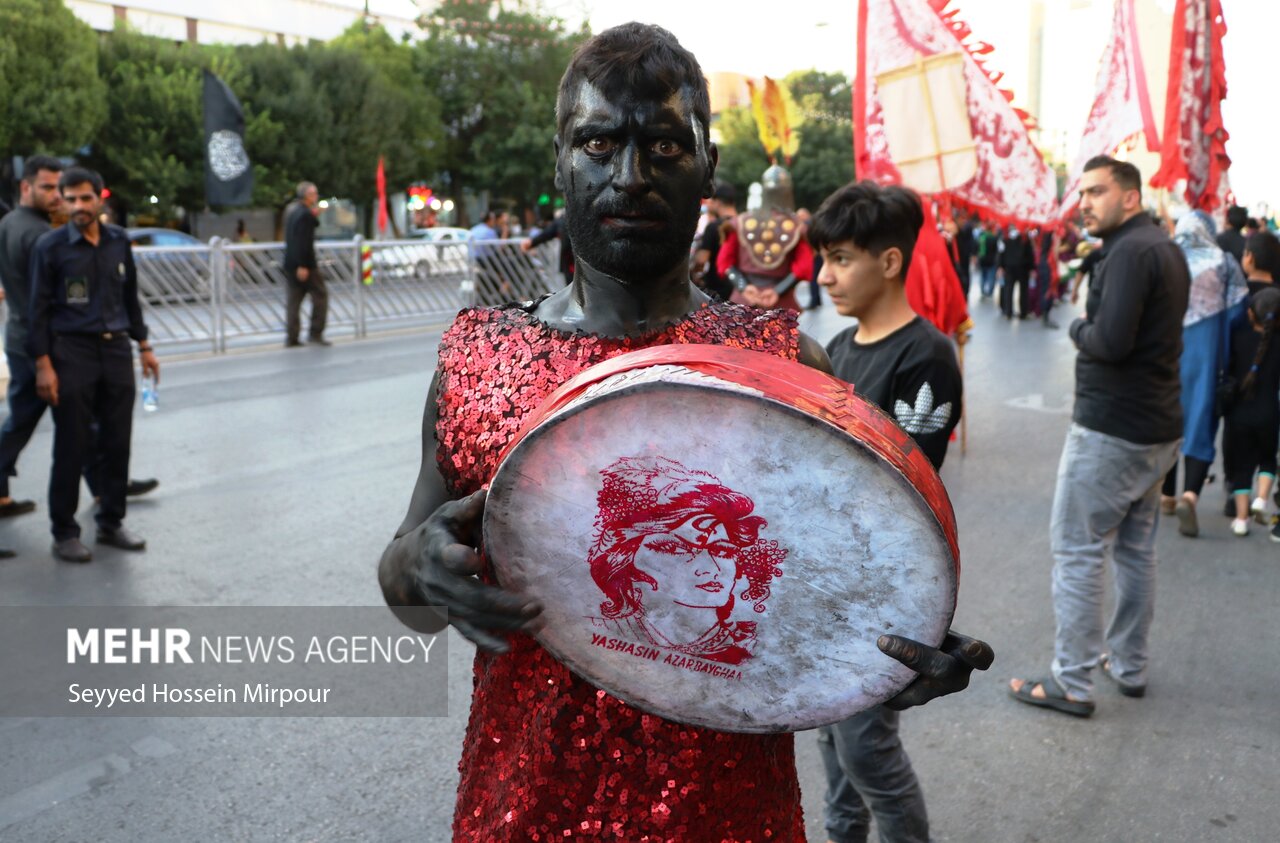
x: 1240, y: 526
x: 1258, y: 509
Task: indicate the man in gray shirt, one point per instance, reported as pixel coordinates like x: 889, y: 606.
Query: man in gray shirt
x: 39, y: 199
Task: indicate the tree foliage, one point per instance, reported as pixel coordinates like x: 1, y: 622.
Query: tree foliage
x: 151, y: 143
x: 51, y: 97
x: 824, y: 161
x: 498, y: 95
x: 468, y: 108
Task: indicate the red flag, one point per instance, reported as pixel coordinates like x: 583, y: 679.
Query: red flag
x: 1121, y: 106
x: 1195, y: 140
x: 382, y: 197
x: 1010, y: 181
x: 933, y: 289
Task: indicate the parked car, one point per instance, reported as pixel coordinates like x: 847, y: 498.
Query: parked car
x: 428, y: 254
x: 170, y: 273
x: 161, y: 237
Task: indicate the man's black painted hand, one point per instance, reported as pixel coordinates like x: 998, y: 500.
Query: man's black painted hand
x: 447, y: 572
x: 942, y: 671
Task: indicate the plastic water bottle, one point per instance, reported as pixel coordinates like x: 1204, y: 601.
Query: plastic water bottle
x: 150, y: 395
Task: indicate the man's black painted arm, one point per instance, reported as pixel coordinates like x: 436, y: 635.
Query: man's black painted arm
x: 944, y: 670
x: 813, y: 355
x: 434, y: 559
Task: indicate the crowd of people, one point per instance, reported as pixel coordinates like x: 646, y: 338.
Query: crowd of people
x: 1177, y: 335
x: 633, y: 193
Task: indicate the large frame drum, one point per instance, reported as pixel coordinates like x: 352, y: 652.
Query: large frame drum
x: 719, y: 536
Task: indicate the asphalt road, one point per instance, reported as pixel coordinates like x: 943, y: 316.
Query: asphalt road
x: 284, y: 474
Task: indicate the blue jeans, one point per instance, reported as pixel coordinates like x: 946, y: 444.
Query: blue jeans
x: 1107, y: 497
x: 864, y: 760
x: 988, y: 280
x: 25, y: 411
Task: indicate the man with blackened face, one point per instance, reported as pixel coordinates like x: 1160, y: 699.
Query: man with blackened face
x: 545, y: 749
x: 633, y: 158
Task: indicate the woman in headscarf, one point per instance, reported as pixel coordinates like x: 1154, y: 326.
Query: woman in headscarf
x: 1218, y: 295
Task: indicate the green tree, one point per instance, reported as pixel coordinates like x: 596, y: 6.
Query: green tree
x: 152, y: 143
x: 328, y: 111
x: 401, y: 115
x: 742, y: 158
x: 824, y: 161
x: 52, y: 100
x: 496, y: 76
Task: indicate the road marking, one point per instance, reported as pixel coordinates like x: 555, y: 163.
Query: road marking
x: 77, y: 781
x: 1035, y: 402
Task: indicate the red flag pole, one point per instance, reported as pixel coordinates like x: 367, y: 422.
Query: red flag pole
x: 860, y: 97
x: 381, y: 179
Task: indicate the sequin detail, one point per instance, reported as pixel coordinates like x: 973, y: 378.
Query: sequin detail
x: 547, y: 756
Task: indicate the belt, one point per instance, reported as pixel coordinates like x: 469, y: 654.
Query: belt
x: 105, y: 336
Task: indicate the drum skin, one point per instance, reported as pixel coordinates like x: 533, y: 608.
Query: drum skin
x: 719, y: 536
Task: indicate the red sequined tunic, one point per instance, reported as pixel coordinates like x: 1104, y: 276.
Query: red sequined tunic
x: 547, y: 756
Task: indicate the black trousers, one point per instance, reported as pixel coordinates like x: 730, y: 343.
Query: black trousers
x: 1247, y: 446
x: 1006, y: 293
x: 95, y: 382
x: 314, y: 287
x: 1197, y: 471
x: 25, y: 410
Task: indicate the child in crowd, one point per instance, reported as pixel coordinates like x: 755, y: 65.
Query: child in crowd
x: 1252, y: 421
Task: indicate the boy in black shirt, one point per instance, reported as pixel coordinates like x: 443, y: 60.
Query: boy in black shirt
x: 894, y: 358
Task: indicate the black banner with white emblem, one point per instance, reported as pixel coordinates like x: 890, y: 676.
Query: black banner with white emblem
x: 228, y: 175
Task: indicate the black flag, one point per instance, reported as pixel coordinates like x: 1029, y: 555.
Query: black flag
x: 228, y: 176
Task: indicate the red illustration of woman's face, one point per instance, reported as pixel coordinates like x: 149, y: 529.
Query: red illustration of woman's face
x: 693, y: 565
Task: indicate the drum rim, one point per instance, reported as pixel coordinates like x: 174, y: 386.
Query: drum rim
x: 565, y: 413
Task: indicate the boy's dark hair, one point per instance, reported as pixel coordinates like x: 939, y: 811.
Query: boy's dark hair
x: 73, y: 176
x: 872, y: 217
x: 644, y: 59
x: 33, y: 164
x: 1125, y: 174
x: 1237, y: 216
x: 1265, y: 249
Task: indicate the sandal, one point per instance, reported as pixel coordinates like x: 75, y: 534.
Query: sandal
x: 1186, y: 512
x: 1054, y: 697
x: 1125, y: 688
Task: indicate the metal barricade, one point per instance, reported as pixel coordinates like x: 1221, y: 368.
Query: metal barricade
x: 224, y: 295
x: 502, y: 272
x: 176, y: 288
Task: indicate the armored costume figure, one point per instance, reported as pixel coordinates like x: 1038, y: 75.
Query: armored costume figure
x: 764, y: 253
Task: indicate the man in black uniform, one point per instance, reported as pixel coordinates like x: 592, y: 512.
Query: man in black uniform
x: 84, y: 308
x: 38, y: 200
x: 866, y: 234
x: 302, y: 274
